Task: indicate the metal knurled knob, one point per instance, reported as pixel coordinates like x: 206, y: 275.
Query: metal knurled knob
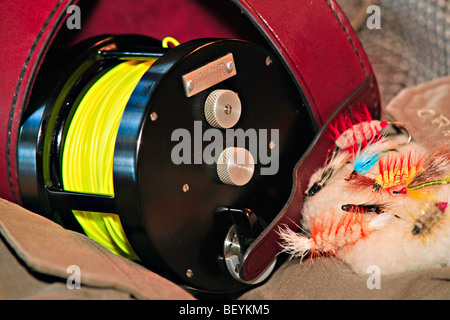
x: 222, y: 108
x: 235, y: 166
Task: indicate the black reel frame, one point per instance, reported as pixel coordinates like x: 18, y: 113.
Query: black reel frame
x: 180, y: 219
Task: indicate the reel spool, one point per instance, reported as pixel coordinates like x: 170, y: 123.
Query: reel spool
x: 115, y: 145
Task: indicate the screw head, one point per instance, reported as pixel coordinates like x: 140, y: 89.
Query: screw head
x: 227, y: 109
x: 190, y: 85
x: 230, y: 66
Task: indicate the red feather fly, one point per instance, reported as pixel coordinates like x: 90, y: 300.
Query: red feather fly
x: 396, y: 168
x: 435, y: 171
x: 330, y: 233
x: 351, y: 132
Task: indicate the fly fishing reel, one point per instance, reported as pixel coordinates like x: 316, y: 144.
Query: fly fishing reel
x: 177, y: 158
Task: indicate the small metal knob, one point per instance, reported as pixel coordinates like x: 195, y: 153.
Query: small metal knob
x: 235, y: 166
x: 222, y: 108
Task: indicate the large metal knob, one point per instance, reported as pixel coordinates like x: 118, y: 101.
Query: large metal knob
x: 235, y: 166
x: 222, y: 108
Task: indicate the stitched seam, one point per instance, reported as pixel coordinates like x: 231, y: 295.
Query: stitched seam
x: 16, y: 94
x: 348, y: 37
x: 372, y: 88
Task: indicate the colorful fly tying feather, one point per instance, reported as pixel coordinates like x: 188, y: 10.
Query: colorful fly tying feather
x: 350, y: 132
x: 395, y: 169
x: 435, y: 167
x: 420, y: 191
x: 366, y: 158
x: 434, y: 172
x: 364, y: 162
x: 330, y: 233
x: 393, y: 177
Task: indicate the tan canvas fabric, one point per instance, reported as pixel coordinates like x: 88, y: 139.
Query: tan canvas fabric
x: 425, y: 110
x: 329, y: 279
x: 35, y: 254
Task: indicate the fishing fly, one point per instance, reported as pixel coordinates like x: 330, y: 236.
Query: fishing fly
x: 364, y: 208
x: 394, y: 170
x: 336, y: 161
x: 329, y: 233
x: 434, y: 172
x: 428, y: 217
x: 366, y: 158
x: 350, y: 131
x: 356, y: 131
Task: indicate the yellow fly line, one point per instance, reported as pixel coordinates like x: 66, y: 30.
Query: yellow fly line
x: 87, y: 163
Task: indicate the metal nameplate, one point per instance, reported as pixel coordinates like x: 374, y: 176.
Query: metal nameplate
x: 209, y: 75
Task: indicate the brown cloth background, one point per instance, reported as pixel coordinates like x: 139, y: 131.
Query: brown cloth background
x: 329, y: 279
x: 425, y: 110
x: 35, y: 254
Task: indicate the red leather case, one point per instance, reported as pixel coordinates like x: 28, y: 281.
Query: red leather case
x: 28, y: 28
x: 314, y: 39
